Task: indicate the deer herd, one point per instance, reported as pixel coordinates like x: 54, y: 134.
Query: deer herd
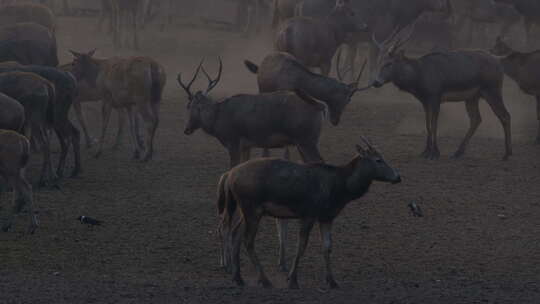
x: 36, y: 95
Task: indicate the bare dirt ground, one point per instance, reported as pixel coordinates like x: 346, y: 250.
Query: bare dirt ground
x: 479, y: 241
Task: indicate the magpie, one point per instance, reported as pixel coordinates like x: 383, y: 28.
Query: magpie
x: 89, y: 221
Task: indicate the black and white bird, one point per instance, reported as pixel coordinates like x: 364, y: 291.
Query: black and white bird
x: 415, y: 210
x: 89, y: 221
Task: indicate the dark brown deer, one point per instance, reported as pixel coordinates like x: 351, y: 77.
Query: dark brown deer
x: 446, y: 77
x: 281, y: 71
x: 37, y: 96
x: 28, y: 12
x: 65, y: 90
x: 20, y: 36
x: 126, y: 83
x: 89, y: 93
x: 524, y: 69
x: 314, y: 41
x: 243, y: 122
x: 312, y: 193
x: 14, y: 156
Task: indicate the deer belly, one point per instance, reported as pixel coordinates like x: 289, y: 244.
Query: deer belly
x: 272, y: 141
x: 278, y: 210
x: 460, y: 95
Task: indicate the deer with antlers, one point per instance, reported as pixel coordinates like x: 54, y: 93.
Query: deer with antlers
x: 312, y: 193
x: 445, y: 77
x: 126, y: 83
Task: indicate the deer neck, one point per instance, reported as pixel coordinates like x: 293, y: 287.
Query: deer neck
x: 359, y: 176
x: 209, y: 117
x: 406, y: 76
x: 325, y: 89
x: 512, y: 64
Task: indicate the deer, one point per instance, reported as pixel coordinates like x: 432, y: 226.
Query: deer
x: 523, y: 69
x: 88, y: 93
x: 28, y: 12
x: 37, y: 96
x: 18, y: 37
x: 282, y: 71
x: 453, y: 76
x: 65, y: 86
x: 14, y: 156
x: 314, y: 41
x: 126, y: 83
x: 311, y: 193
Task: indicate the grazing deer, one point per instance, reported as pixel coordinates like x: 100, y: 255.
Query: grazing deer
x: 312, y: 193
x: 19, y: 36
x: 37, y: 96
x: 28, y: 12
x: 523, y: 68
x: 14, y: 155
x: 65, y: 86
x: 125, y: 83
x: 445, y: 77
x: 88, y: 93
x: 281, y: 71
x: 314, y: 41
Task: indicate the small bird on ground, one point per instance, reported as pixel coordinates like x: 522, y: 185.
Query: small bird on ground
x: 89, y: 221
x: 415, y: 209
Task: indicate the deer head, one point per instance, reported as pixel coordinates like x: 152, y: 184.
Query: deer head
x: 199, y: 113
x: 85, y: 67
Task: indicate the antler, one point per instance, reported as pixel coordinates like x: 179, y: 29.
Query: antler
x: 402, y: 41
x: 368, y: 143
x: 188, y: 87
x: 212, y: 83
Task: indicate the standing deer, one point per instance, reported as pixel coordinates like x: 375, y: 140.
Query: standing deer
x: 524, y: 69
x: 125, y: 83
x: 446, y: 77
x: 312, y: 193
x: 37, y: 96
x: 314, y: 41
x: 14, y: 155
x: 65, y: 86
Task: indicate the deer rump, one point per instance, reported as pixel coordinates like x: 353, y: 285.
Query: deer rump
x: 270, y: 120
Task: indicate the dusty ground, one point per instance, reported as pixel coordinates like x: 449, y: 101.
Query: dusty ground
x: 478, y: 242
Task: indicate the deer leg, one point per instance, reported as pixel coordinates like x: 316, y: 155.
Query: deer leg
x: 120, y: 131
x: 76, y: 143
x: 495, y: 101
x: 282, y: 227
x: 475, y: 119
x: 326, y: 239
x: 62, y: 134
x: 151, y: 121
x: 80, y: 118
x: 47, y: 174
x: 236, y: 240
x: 310, y: 153
x: 22, y: 195
x: 106, y: 115
x: 435, y: 154
x: 538, y: 117
x: 303, y: 237
x: 429, y: 115
x: 252, y: 220
x: 133, y: 133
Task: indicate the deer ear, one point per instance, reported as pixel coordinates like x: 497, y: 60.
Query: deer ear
x: 92, y: 52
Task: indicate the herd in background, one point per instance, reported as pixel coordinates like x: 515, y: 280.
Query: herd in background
x: 37, y: 94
